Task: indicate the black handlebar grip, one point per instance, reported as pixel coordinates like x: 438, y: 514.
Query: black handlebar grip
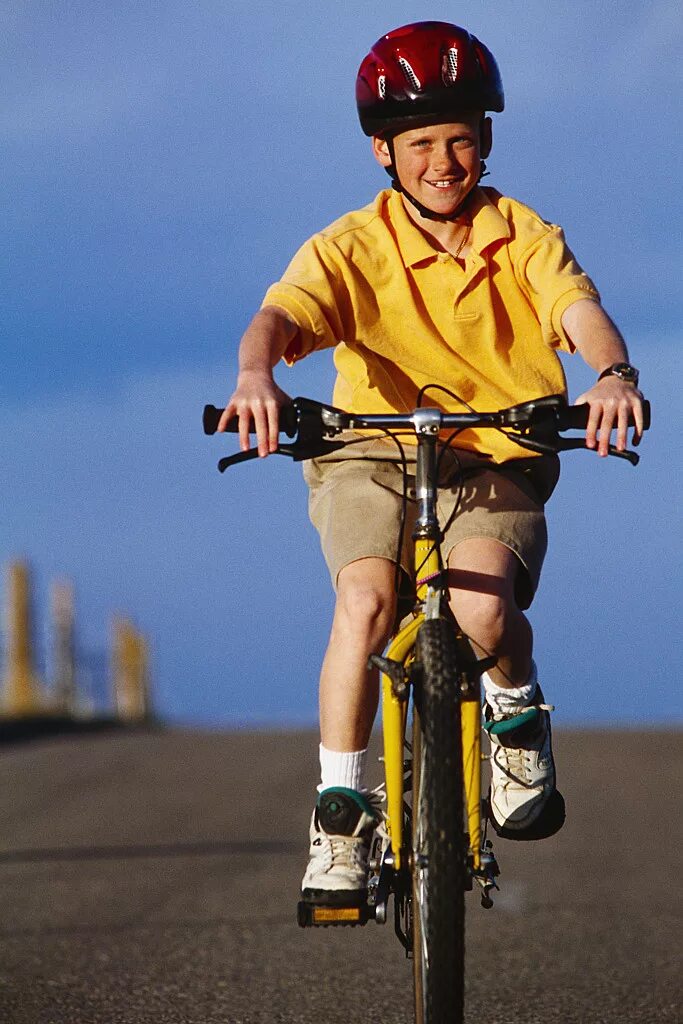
x: 576, y: 417
x: 212, y: 415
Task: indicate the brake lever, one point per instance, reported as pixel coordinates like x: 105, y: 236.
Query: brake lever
x: 536, y: 446
x: 567, y: 444
x: 296, y: 451
x: 233, y: 460
x: 300, y: 451
x: 630, y: 456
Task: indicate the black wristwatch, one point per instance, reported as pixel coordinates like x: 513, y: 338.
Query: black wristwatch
x: 624, y: 371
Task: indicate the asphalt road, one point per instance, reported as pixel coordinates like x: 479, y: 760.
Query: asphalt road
x: 152, y: 878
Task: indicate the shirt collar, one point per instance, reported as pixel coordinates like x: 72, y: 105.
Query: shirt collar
x: 488, y: 226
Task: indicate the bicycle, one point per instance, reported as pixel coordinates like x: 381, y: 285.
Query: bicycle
x: 432, y: 846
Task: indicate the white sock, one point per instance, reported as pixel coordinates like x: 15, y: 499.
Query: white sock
x: 341, y: 768
x: 504, y: 699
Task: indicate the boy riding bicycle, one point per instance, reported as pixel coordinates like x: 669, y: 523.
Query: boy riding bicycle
x: 438, y: 281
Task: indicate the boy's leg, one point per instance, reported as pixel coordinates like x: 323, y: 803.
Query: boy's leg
x: 482, y: 576
x: 344, y: 818
x: 524, y: 801
x: 363, y: 617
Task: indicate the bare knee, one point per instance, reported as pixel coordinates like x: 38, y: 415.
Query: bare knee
x: 365, y: 607
x: 484, y: 618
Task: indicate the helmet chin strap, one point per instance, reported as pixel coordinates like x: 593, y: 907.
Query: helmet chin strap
x: 424, y: 211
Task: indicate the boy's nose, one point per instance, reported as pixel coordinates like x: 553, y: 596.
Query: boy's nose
x: 444, y: 160
x: 446, y: 164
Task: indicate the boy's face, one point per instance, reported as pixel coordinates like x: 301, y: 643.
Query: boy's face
x: 439, y: 164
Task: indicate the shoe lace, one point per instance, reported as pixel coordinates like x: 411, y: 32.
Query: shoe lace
x: 515, y: 762
x: 377, y: 798
x: 350, y: 851
x: 344, y: 851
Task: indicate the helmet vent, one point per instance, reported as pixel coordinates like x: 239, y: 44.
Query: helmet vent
x: 382, y: 86
x: 407, y: 70
x: 450, y: 66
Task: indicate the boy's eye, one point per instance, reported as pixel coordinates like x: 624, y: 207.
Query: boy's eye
x: 458, y: 140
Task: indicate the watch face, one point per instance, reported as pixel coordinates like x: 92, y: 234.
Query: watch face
x: 625, y: 371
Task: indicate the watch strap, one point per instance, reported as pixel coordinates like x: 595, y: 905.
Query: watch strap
x: 624, y: 371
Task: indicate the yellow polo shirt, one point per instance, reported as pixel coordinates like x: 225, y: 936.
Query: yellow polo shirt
x: 401, y: 314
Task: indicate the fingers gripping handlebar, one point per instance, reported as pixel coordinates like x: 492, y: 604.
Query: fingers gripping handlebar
x: 555, y: 409
x: 309, y: 422
x: 288, y: 420
x: 534, y: 425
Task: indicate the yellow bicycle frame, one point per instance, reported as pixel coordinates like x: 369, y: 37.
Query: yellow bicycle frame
x: 394, y: 712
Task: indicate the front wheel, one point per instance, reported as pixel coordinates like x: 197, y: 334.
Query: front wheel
x: 439, y: 855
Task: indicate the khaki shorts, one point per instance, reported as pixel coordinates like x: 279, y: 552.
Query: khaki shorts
x: 356, y: 498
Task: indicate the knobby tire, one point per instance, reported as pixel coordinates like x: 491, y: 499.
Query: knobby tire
x: 439, y: 855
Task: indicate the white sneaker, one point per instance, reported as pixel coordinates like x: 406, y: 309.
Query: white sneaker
x: 341, y: 831
x: 523, y: 772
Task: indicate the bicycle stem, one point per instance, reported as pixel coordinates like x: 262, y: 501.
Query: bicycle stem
x: 427, y: 525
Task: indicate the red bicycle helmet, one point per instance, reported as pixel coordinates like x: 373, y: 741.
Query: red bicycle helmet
x: 425, y: 70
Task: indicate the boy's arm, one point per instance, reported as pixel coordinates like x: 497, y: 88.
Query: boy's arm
x: 257, y: 397
x: 612, y: 401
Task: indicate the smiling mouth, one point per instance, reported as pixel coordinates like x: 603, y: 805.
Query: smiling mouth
x: 443, y: 183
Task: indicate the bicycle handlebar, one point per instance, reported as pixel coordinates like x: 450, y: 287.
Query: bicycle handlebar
x: 535, y: 425
x: 288, y: 420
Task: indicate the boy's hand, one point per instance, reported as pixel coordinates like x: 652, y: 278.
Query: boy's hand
x: 257, y: 401
x: 612, y: 403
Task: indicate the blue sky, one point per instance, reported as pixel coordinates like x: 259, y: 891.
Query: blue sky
x: 161, y: 163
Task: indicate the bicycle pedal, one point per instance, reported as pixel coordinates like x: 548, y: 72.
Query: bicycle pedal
x: 316, y: 915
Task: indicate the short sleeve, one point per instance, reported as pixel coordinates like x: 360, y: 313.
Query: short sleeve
x: 311, y: 293
x: 553, y: 280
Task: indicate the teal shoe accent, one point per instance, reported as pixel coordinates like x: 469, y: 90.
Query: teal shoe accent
x: 514, y: 722
x: 352, y: 794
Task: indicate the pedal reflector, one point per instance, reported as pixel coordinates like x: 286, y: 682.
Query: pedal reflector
x: 334, y: 915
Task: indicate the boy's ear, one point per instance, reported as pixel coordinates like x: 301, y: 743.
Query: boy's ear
x: 380, y: 150
x: 486, y: 137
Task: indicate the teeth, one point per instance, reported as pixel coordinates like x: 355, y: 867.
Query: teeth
x: 442, y: 184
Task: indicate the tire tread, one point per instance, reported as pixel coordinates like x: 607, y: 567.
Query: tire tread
x: 437, y: 701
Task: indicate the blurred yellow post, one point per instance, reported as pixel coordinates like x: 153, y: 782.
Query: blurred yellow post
x: 66, y: 697
x: 22, y: 691
x: 130, y: 670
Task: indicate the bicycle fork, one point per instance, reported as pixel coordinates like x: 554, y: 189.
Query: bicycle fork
x: 395, y: 687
